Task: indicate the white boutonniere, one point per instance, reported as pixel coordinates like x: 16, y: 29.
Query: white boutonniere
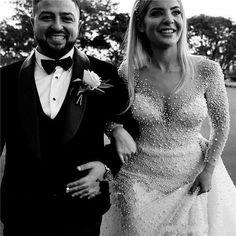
x: 90, y: 82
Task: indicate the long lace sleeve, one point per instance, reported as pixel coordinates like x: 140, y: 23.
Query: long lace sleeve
x: 116, y: 122
x: 218, y: 110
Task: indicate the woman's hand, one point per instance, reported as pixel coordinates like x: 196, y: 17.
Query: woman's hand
x: 203, y: 182
x: 124, y: 143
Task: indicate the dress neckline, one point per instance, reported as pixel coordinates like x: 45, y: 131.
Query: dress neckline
x: 167, y: 97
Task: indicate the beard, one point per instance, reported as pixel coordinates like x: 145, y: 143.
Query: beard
x: 54, y: 52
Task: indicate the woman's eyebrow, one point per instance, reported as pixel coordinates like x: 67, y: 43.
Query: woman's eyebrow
x: 162, y: 9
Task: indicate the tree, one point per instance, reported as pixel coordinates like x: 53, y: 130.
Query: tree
x: 101, y: 32
x: 16, y: 36
x: 102, y: 29
x: 214, y: 37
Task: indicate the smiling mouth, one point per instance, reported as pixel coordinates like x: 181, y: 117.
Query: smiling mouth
x: 56, y: 37
x: 167, y: 31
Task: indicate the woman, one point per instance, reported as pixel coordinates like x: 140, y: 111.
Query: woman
x: 175, y: 183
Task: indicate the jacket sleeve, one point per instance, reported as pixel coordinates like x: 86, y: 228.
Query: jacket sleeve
x: 2, y: 109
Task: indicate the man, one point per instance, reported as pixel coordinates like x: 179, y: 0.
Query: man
x: 52, y: 124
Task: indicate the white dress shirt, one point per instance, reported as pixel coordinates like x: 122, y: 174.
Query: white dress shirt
x: 52, y: 88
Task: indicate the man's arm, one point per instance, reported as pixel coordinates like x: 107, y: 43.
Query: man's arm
x: 2, y: 110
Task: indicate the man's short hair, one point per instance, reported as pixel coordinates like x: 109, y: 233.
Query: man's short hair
x: 36, y: 2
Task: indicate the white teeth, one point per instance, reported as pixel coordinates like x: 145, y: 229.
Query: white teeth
x: 57, y: 37
x: 167, y: 31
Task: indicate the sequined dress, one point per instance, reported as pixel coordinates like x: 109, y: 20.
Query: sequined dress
x: 150, y: 194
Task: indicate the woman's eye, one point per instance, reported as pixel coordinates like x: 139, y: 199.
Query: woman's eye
x: 176, y: 12
x: 156, y: 13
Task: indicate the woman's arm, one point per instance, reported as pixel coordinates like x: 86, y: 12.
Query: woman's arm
x: 218, y: 110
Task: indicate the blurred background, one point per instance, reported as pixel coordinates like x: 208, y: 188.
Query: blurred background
x: 211, y: 27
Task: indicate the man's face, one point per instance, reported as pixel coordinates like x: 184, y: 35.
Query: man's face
x: 56, y: 26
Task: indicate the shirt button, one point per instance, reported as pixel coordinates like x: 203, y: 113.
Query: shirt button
x: 56, y: 77
x: 54, y: 99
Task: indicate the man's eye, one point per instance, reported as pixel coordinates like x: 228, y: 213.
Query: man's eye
x: 46, y: 17
x: 67, y: 19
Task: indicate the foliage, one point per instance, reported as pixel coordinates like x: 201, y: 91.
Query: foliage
x: 101, y: 32
x: 16, y: 36
x: 214, y: 37
x: 102, y: 29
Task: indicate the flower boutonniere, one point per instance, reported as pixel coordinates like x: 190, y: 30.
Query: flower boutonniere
x: 90, y: 82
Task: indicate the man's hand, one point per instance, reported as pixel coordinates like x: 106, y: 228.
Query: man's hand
x: 124, y: 143
x: 87, y: 186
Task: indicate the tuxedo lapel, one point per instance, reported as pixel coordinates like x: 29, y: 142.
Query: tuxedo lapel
x: 27, y: 103
x: 75, y: 112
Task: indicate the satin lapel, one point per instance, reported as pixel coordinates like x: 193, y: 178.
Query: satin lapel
x: 27, y: 103
x: 75, y: 112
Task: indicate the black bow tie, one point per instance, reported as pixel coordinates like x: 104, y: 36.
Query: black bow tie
x: 50, y: 65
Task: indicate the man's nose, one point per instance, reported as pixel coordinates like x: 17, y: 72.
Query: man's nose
x: 57, y: 25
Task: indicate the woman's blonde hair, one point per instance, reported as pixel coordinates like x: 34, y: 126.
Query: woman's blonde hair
x: 138, y: 52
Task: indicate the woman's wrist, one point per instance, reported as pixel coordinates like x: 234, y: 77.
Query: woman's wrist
x: 111, y: 128
x: 209, y: 168
x: 116, y: 130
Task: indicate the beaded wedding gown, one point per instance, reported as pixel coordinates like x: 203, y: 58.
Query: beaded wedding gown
x: 150, y: 194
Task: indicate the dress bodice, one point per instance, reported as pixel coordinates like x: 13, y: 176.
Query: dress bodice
x: 169, y: 122
x: 175, y: 121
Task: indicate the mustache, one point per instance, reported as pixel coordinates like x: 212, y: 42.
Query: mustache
x: 52, y: 31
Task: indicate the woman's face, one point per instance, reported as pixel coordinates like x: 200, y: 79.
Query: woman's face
x: 163, y: 23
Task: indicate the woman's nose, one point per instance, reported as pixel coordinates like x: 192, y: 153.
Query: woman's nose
x: 168, y: 19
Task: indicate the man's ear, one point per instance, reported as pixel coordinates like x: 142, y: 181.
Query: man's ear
x: 79, y: 26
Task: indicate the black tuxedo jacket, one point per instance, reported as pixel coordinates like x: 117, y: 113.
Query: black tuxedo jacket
x: 28, y: 179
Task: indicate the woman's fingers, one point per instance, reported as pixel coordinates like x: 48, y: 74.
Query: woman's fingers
x: 121, y: 158
x: 204, y: 190
x: 124, y: 157
x: 124, y: 143
x: 194, y: 187
x: 203, y: 182
x: 198, y: 187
